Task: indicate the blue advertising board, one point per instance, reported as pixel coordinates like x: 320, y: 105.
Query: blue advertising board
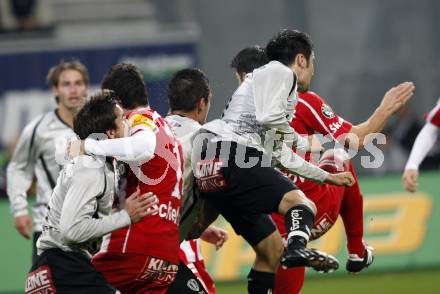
x: 24, y: 93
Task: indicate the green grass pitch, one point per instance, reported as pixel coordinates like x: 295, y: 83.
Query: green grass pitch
x: 418, y: 282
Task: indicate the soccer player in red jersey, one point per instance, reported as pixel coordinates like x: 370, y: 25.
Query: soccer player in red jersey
x: 313, y: 115
x: 144, y: 257
x: 424, y: 142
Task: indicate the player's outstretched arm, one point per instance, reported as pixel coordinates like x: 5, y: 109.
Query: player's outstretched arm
x: 138, y: 147
x: 393, y: 101
x: 424, y: 142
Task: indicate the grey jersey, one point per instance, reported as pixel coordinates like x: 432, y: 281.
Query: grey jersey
x: 185, y: 129
x: 259, y: 115
x: 265, y: 100
x: 35, y: 155
x: 79, y: 210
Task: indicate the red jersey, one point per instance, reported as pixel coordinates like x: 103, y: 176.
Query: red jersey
x: 156, y: 235
x: 313, y: 115
x: 434, y: 116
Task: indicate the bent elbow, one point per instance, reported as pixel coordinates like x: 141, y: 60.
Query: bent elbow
x: 69, y: 235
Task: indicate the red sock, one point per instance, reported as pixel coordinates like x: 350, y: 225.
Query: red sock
x: 352, y: 215
x: 289, y: 281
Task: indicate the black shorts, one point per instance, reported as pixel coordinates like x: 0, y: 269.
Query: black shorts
x: 65, y: 272
x: 241, y: 185
x: 186, y: 282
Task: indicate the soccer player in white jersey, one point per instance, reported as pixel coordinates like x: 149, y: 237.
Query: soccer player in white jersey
x: 424, y: 142
x: 313, y: 116
x: 232, y: 163
x: 34, y: 154
x: 79, y: 211
x: 189, y: 99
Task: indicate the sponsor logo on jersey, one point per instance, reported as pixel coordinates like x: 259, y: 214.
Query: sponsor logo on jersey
x: 40, y: 281
x: 334, y: 127
x: 192, y: 284
x: 208, y: 175
x: 158, y: 271
x: 327, y: 111
x: 167, y: 211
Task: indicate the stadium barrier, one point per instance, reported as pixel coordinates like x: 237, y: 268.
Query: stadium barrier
x: 401, y: 226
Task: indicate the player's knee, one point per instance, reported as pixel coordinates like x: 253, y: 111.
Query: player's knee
x: 294, y: 198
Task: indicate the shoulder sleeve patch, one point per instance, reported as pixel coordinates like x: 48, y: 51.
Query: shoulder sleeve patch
x: 139, y: 120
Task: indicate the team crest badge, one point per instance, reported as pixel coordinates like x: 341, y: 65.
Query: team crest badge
x: 327, y: 111
x: 192, y: 284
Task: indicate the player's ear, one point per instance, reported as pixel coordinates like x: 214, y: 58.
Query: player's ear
x: 201, y: 104
x: 301, y: 60
x: 55, y: 91
x: 240, y: 77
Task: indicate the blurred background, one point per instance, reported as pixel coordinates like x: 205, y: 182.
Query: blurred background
x: 362, y: 49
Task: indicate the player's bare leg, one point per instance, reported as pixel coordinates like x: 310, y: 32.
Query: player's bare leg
x: 268, y: 253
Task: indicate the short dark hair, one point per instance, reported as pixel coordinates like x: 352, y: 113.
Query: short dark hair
x: 128, y: 83
x: 287, y: 44
x: 97, y: 115
x: 186, y: 88
x: 249, y: 59
x: 53, y: 76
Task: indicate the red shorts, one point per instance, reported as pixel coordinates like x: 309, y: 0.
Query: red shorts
x: 328, y: 206
x: 135, y: 273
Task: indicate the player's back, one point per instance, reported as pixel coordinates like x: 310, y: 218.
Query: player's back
x: 240, y: 110
x: 266, y: 99
x: 185, y: 129
x: 156, y: 235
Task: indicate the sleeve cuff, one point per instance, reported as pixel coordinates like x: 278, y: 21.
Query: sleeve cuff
x: 411, y: 166
x: 125, y: 217
x: 20, y: 212
x: 88, y: 146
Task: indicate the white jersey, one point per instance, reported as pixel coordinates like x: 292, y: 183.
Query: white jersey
x: 259, y: 114
x: 35, y: 155
x: 185, y: 128
x: 79, y: 211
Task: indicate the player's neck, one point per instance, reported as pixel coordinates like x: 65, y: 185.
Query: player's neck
x: 66, y: 115
x: 137, y: 108
x: 192, y: 115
